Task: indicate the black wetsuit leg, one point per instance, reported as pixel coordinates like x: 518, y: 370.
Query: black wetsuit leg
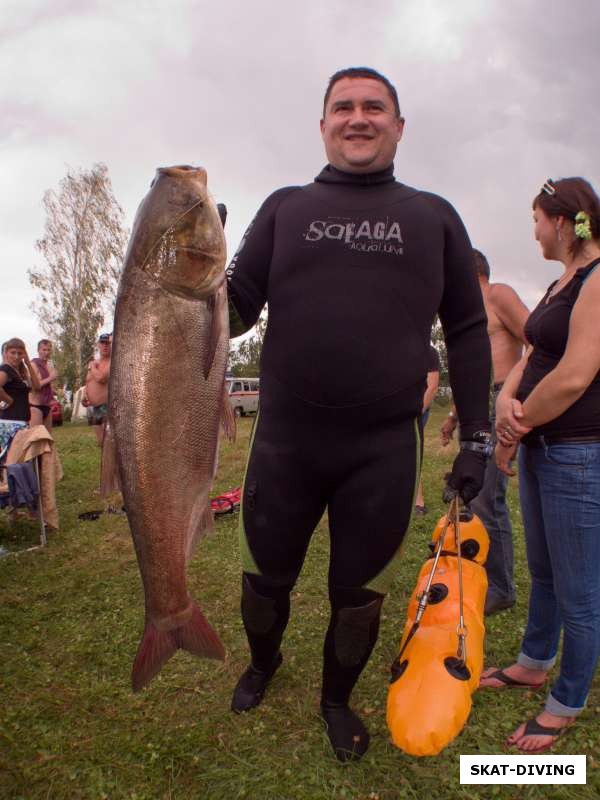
x: 369, y: 515
x: 363, y: 463
x: 265, y: 614
x: 283, y: 501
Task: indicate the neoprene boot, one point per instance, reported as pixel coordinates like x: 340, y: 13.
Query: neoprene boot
x: 251, y: 687
x: 350, y: 639
x: 265, y: 613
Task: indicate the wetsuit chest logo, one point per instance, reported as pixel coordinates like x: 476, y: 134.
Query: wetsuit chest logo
x: 368, y: 236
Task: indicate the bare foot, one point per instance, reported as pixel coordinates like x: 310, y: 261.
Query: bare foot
x: 517, y: 675
x: 530, y: 740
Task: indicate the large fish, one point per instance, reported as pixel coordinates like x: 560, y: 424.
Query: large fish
x: 167, y: 398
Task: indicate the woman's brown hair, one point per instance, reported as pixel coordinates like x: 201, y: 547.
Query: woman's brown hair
x: 14, y: 342
x: 566, y: 198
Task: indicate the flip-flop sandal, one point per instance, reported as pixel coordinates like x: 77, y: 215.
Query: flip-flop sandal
x: 511, y: 683
x: 88, y: 516
x: 115, y: 510
x: 533, y: 728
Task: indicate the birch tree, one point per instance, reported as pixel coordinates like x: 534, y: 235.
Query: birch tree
x: 82, y: 246
x: 244, y: 359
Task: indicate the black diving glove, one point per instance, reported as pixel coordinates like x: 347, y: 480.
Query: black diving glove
x: 468, y: 470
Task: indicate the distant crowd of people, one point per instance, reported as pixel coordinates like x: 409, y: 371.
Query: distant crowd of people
x: 27, y: 391
x: 26, y: 385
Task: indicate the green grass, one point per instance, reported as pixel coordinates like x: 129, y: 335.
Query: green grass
x: 70, y: 620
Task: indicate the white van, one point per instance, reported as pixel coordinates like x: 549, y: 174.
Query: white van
x: 243, y: 395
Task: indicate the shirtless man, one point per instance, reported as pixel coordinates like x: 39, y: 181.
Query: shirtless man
x: 507, y: 315
x: 39, y: 402
x: 95, y: 393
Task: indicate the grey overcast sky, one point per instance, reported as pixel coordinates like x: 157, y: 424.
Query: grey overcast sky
x: 498, y: 95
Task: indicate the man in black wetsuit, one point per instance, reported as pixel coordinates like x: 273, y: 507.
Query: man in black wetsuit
x: 354, y: 268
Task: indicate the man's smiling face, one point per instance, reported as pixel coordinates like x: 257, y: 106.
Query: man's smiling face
x: 360, y: 129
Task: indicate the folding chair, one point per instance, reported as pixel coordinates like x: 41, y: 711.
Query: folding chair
x: 9, y: 430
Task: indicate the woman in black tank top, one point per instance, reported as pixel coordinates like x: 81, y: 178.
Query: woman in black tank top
x: 551, y: 404
x: 16, y: 378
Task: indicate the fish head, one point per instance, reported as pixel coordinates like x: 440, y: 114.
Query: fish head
x: 182, y: 233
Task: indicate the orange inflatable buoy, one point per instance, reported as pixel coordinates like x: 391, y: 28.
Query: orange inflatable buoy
x: 441, y: 654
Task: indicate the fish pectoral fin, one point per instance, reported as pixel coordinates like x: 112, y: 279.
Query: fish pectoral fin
x: 197, y: 636
x: 214, y: 335
x: 227, y: 416
x: 201, y: 522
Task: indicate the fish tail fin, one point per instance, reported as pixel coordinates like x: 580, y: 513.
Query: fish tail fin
x: 155, y: 649
x: 197, y: 636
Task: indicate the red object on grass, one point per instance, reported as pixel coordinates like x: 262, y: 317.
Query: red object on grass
x: 57, y: 411
x: 228, y: 502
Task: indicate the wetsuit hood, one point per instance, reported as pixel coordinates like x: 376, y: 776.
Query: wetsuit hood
x: 331, y: 174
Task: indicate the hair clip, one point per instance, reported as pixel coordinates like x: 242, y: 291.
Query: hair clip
x: 583, y: 226
x: 549, y: 187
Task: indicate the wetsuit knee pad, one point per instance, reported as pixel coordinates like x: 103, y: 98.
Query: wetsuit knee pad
x: 356, y: 624
x: 262, y: 600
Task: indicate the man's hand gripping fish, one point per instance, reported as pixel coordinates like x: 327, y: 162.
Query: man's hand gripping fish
x: 167, y: 397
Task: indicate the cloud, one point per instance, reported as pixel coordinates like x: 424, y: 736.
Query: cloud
x: 497, y: 95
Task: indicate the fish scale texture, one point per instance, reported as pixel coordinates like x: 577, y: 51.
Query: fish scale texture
x: 164, y: 412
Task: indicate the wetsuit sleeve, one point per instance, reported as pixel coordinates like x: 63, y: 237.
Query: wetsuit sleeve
x: 464, y: 323
x: 248, y: 272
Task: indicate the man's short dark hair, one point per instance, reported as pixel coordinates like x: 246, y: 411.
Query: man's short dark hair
x: 43, y: 341
x: 362, y: 72
x: 481, y: 264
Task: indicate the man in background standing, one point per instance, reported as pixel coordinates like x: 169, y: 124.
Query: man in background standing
x: 506, y: 315
x: 96, y: 385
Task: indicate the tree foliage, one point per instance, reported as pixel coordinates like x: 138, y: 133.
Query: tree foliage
x: 245, y: 357
x: 83, y: 245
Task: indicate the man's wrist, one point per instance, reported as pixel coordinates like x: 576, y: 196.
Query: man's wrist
x: 478, y: 442
x: 482, y: 436
x: 478, y: 447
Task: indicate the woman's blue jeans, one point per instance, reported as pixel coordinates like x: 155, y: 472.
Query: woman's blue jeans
x: 560, y: 502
